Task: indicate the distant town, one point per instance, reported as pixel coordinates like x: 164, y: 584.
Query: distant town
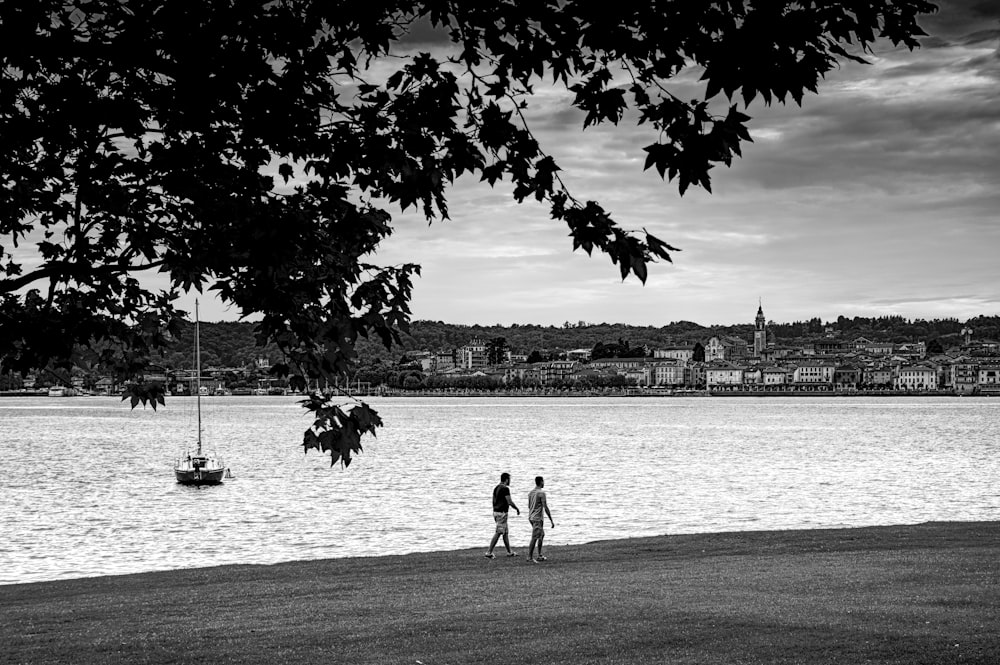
x: 719, y: 364
x: 726, y: 365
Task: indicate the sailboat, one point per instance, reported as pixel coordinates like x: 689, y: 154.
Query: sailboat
x: 197, y: 466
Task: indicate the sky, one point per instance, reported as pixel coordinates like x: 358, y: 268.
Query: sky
x: 879, y: 196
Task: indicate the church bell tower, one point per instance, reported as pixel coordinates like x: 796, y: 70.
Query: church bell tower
x: 760, y: 332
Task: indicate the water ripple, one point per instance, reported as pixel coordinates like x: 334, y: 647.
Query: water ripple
x: 89, y: 488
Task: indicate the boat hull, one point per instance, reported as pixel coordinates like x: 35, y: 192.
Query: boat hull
x: 200, y: 469
x: 200, y: 477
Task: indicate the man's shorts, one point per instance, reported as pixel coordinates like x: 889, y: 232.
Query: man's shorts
x: 537, y: 528
x: 501, y: 520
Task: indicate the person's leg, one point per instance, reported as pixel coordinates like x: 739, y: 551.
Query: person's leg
x: 501, y: 530
x: 506, y: 542
x: 493, y: 542
x: 534, y: 539
x: 541, y: 539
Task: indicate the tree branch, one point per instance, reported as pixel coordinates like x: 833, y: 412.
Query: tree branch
x: 53, y: 271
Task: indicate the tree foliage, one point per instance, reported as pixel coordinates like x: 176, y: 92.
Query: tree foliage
x: 698, y: 353
x: 496, y: 350
x: 256, y: 148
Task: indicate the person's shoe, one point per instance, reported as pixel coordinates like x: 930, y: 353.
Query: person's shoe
x: 490, y: 555
x: 541, y: 558
x: 530, y: 561
x: 510, y: 554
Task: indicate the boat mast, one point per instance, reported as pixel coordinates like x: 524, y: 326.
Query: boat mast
x: 197, y: 367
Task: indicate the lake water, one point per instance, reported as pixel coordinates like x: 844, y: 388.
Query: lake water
x: 88, y: 488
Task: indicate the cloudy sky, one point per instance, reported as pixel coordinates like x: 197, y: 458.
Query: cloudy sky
x: 879, y: 196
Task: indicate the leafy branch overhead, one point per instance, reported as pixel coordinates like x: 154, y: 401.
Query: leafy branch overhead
x: 337, y: 429
x: 256, y: 148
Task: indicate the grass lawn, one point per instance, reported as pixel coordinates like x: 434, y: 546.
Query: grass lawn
x: 928, y: 593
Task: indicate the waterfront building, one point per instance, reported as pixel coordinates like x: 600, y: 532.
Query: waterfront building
x: 667, y: 372
x: 639, y: 376
x: 556, y: 371
x: 773, y: 375
x: 107, y: 386
x: 916, y: 377
x: 753, y: 377
x: 989, y: 377
x: 723, y: 375
x: 694, y: 374
x: 942, y: 365
x: 846, y: 377
x: 876, y: 376
x: 526, y: 374
x: 964, y: 375
x: 813, y: 373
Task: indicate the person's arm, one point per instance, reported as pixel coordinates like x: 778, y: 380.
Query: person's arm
x: 545, y: 504
x: 510, y: 502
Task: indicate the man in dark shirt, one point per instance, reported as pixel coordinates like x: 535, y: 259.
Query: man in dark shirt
x: 502, y: 503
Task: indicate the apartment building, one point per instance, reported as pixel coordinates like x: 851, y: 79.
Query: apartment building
x: 556, y: 371
x: 667, y: 372
x: 989, y: 377
x: 846, y: 377
x: 877, y: 376
x: 814, y: 373
x: 776, y: 376
x: 473, y: 355
x: 753, y: 377
x: 721, y: 374
x: 916, y: 377
x: 964, y: 375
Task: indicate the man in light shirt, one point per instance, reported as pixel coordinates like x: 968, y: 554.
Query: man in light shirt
x: 537, y: 505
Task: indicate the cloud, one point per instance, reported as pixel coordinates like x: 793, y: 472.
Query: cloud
x: 959, y: 20
x: 880, y: 195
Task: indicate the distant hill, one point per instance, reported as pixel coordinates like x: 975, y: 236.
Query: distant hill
x: 233, y: 344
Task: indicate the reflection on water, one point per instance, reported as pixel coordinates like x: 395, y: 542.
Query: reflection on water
x: 88, y: 486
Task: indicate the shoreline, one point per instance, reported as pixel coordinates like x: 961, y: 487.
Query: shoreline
x: 901, y: 594
x: 790, y: 534
x: 583, y: 393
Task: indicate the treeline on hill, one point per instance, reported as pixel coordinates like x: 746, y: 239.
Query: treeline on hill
x: 224, y: 344
x: 233, y: 344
